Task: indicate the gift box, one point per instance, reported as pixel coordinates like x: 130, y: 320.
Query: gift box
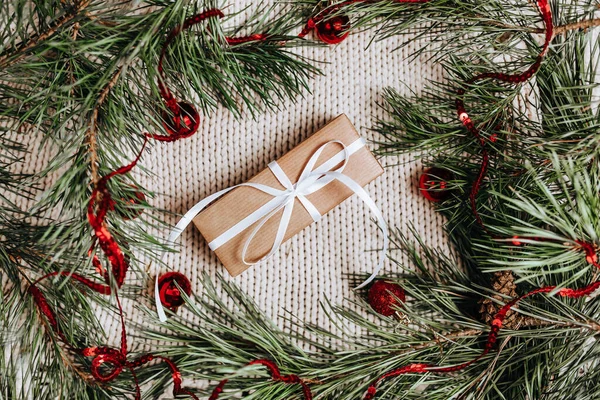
x: 245, y: 224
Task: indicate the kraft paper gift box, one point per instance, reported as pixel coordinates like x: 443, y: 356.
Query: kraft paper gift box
x: 234, y: 206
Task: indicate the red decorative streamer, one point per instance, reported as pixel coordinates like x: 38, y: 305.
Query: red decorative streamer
x: 96, y: 214
x: 590, y: 252
x: 194, y: 20
x: 98, y: 205
x: 463, y: 116
x: 118, y: 361
x: 44, y: 307
x: 107, y: 243
x: 497, y: 322
x: 256, y: 37
x: 291, y: 379
x: 175, y: 127
x: 185, y: 120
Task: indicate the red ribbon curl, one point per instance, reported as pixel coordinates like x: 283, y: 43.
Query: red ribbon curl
x: 118, y: 361
x: 312, y: 22
x: 176, y: 107
x: 276, y: 376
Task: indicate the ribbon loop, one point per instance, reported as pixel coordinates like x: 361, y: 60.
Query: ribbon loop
x: 312, y: 179
x: 280, y: 175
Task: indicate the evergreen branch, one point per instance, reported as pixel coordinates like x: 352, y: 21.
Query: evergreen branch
x: 558, y: 29
x: 552, y: 224
x: 212, y: 351
x: 80, y: 74
x: 8, y: 58
x: 562, y: 29
x: 91, y: 131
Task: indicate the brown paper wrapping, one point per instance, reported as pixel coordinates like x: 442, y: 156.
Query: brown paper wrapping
x: 362, y: 167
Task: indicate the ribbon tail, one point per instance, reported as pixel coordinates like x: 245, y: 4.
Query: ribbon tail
x: 189, y: 217
x: 159, y: 308
x: 364, y: 196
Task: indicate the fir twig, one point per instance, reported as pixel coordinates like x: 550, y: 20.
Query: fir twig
x: 11, y: 57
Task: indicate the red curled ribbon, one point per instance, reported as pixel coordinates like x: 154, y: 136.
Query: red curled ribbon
x: 177, y: 128
x: 185, y: 120
x: 118, y: 361
x: 464, y: 118
x: 194, y: 20
x: 96, y: 214
x: 45, y: 308
x: 276, y: 376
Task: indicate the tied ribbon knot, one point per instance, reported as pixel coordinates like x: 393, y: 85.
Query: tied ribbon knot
x: 312, y: 179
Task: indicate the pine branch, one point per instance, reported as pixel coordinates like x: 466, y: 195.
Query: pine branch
x: 91, y: 131
x: 70, y: 82
x: 552, y: 226
x: 585, y: 24
x: 8, y: 57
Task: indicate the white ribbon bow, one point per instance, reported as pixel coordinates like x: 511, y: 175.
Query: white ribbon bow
x: 311, y: 180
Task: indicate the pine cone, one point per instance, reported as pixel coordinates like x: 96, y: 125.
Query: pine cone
x: 503, y: 282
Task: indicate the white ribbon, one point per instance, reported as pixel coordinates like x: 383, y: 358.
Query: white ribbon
x: 311, y: 180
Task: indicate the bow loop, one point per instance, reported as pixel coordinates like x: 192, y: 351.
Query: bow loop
x: 281, y: 176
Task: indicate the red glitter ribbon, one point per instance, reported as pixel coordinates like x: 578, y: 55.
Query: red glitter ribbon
x: 96, y: 212
x: 118, y: 361
x: 463, y: 116
x: 173, y: 105
x: 276, y: 376
x: 256, y: 37
x: 194, y: 20
x: 45, y: 308
x: 191, y: 21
